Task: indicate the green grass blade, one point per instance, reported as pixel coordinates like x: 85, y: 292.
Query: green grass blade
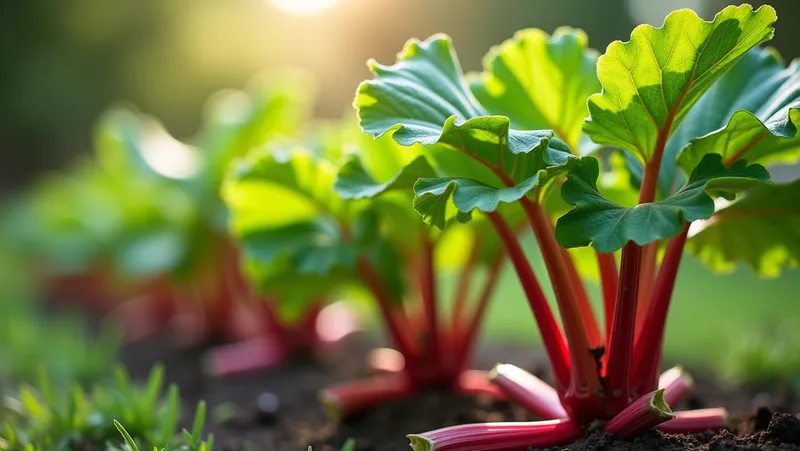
x: 128, y: 439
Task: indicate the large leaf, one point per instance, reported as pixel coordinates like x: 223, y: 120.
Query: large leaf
x: 274, y: 187
x: 651, y: 82
x: 424, y: 98
x: 609, y: 226
x: 434, y: 195
x: 354, y: 182
x: 541, y: 82
x: 283, y: 206
x: 752, y: 113
x: 762, y: 230
x: 314, y: 247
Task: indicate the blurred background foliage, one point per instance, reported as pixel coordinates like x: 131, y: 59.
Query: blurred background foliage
x: 66, y: 62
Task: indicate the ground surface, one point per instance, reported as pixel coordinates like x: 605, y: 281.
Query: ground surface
x: 300, y: 421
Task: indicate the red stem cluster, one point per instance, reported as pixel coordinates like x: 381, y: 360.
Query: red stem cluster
x: 619, y: 385
x: 433, y: 352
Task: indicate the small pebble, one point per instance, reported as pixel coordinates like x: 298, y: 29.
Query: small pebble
x: 267, y: 408
x: 762, y: 400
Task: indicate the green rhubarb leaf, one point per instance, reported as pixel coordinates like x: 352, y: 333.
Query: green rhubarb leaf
x: 541, y: 82
x: 282, y: 206
x: 424, y: 98
x: 761, y: 229
x: 435, y: 195
x: 274, y: 187
x: 752, y: 112
x: 312, y: 247
x: 293, y: 292
x: 354, y: 182
x: 608, y: 226
x: 652, y: 81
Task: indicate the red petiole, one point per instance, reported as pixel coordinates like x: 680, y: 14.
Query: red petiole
x: 431, y: 353
x: 621, y: 385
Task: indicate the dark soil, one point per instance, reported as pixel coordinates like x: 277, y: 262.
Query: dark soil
x: 299, y: 421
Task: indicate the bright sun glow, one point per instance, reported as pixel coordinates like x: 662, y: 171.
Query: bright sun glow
x: 304, y: 7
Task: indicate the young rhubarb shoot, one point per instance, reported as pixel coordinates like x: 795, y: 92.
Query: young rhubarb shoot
x: 645, y: 413
x: 677, y: 385
x: 695, y: 421
x: 528, y: 391
x: 498, y: 436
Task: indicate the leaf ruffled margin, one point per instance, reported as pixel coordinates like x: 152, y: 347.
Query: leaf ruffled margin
x: 651, y: 82
x: 608, y: 226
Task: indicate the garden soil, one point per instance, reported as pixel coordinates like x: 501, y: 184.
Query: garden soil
x: 240, y: 424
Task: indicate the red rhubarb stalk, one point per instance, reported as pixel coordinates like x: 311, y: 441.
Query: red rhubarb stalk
x: 694, y: 421
x: 390, y: 314
x: 646, y: 276
x: 528, y: 391
x: 498, y: 436
x: 609, y: 277
x: 467, y: 344
x: 463, y: 285
x: 386, y: 361
x: 645, y: 413
x: 584, y: 306
x: 429, y: 296
x: 244, y: 357
x: 476, y: 382
x: 620, y: 354
x: 648, y: 346
x: 585, y: 378
x: 356, y: 396
x: 551, y: 335
x: 677, y: 385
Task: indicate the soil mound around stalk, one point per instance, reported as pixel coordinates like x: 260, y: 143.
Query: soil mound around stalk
x: 292, y: 417
x: 782, y: 433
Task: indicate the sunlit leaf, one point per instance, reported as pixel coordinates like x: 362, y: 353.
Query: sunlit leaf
x: 433, y: 195
x: 761, y: 230
x: 424, y: 98
x: 541, y: 82
x: 651, y: 82
x: 608, y: 226
x: 751, y: 113
x: 354, y: 182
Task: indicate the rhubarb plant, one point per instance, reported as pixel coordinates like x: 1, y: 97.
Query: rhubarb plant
x: 331, y: 220
x: 694, y: 109
x: 142, y: 222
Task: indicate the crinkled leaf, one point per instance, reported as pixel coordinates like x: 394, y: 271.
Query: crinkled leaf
x: 752, y: 113
x: 433, y: 195
x: 541, y: 82
x: 278, y: 187
x: 312, y: 247
x: 609, y: 226
x: 651, y: 82
x: 354, y: 182
x: 424, y: 98
x: 283, y: 206
x: 761, y: 229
